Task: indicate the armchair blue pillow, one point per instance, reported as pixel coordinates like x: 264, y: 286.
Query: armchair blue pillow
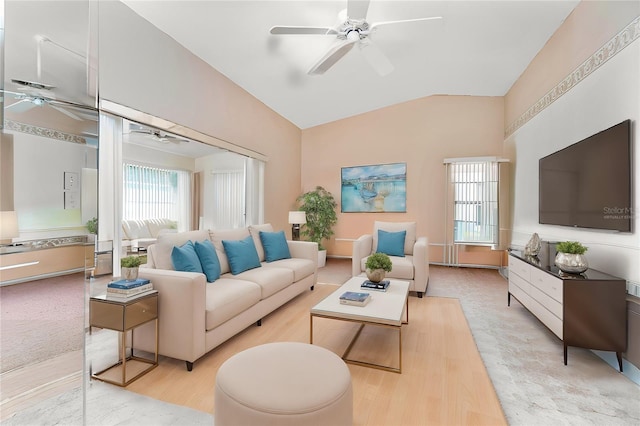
x: 275, y: 246
x: 208, y: 259
x: 185, y: 258
x: 242, y: 255
x: 391, y: 243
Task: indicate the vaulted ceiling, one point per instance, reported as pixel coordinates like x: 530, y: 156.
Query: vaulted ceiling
x: 478, y: 48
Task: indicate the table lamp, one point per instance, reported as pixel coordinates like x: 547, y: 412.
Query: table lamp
x: 296, y: 218
x: 8, y: 227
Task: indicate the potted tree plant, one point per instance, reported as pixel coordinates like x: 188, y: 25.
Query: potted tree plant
x: 377, y: 264
x: 130, y: 265
x: 570, y: 257
x: 320, y: 208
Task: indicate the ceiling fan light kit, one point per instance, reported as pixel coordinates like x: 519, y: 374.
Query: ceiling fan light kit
x: 354, y: 30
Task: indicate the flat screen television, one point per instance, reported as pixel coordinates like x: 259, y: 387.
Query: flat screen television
x: 588, y: 184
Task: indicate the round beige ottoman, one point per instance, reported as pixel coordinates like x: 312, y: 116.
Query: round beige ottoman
x: 284, y: 383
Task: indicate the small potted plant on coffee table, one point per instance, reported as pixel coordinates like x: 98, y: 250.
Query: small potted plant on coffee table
x: 130, y: 265
x: 570, y: 257
x: 377, y: 264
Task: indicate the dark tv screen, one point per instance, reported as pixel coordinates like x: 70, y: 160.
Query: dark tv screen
x: 588, y: 184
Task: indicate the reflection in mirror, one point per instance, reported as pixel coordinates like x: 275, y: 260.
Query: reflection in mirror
x: 49, y: 179
x: 172, y: 183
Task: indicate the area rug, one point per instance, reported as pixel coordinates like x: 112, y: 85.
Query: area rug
x: 40, y: 319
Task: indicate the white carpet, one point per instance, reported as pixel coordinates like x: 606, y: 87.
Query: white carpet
x: 525, y: 360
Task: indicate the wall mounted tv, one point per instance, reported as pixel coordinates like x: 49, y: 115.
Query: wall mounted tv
x: 588, y: 184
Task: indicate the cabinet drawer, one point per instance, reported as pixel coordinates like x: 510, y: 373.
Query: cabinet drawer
x: 122, y: 316
x: 546, y: 317
x: 547, y: 284
x: 519, y: 294
x: 520, y: 268
x: 516, y: 280
x: 547, y: 301
x: 141, y: 312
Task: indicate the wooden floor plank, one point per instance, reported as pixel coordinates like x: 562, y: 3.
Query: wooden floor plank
x: 444, y: 380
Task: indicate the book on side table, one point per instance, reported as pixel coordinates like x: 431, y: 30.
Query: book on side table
x: 123, y: 289
x: 354, y: 298
x: 379, y: 286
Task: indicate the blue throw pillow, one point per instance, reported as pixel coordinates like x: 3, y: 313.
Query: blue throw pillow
x: 275, y: 246
x: 391, y: 243
x: 242, y: 255
x: 208, y: 259
x: 184, y: 258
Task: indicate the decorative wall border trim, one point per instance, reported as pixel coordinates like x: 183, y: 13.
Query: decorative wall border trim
x: 43, y: 131
x: 621, y: 40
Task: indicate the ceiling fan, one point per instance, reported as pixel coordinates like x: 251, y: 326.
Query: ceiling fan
x: 158, y: 136
x: 37, y: 95
x: 352, y: 29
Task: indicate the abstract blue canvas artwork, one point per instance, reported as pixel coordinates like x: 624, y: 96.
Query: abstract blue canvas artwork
x: 378, y: 188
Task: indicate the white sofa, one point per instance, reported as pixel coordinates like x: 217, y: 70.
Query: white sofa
x: 412, y: 267
x: 140, y: 234
x: 195, y: 316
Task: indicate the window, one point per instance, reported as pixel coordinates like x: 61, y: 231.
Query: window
x: 154, y: 193
x: 475, y: 202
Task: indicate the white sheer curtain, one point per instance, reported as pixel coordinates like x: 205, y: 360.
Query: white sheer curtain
x: 228, y: 195
x: 254, y: 170
x: 155, y: 193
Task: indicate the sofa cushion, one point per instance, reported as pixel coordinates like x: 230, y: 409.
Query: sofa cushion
x: 134, y: 229
x: 185, y: 258
x: 166, y: 242
x: 391, y: 243
x: 275, y: 246
x: 271, y: 279
x: 227, y: 298
x: 226, y: 234
x: 242, y: 255
x: 208, y: 259
x: 301, y: 268
x: 254, y: 230
x: 402, y: 267
x: 410, y: 238
x: 157, y: 225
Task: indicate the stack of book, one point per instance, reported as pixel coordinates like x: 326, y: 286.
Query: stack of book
x: 380, y: 286
x: 354, y: 298
x: 124, y: 288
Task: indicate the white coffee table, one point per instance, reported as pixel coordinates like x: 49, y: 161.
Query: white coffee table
x: 385, y: 309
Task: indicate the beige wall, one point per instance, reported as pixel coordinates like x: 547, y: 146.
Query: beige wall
x: 420, y: 133
x: 599, y: 97
x: 586, y: 29
x: 144, y: 69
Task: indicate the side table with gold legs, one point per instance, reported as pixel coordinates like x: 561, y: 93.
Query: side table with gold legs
x: 124, y: 316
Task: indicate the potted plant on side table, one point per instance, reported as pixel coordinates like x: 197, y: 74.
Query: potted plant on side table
x: 320, y: 208
x: 130, y: 265
x: 570, y: 257
x: 377, y: 264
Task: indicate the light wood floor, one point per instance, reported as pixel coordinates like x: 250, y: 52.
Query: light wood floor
x: 444, y: 380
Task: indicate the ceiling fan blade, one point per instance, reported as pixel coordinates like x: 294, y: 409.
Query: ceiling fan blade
x: 332, y: 56
x: 21, y: 106
x: 357, y: 9
x: 376, y: 58
x: 65, y: 112
x: 404, y: 21
x: 303, y: 30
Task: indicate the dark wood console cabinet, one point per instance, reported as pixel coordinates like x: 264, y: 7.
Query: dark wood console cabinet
x: 586, y: 310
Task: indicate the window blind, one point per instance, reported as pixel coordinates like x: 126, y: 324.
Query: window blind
x: 475, y: 202
x: 154, y: 193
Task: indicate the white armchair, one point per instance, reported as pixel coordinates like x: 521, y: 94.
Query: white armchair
x: 412, y: 267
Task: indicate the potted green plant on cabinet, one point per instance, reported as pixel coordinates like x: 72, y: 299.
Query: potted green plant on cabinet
x: 130, y: 265
x: 320, y: 208
x: 570, y: 257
